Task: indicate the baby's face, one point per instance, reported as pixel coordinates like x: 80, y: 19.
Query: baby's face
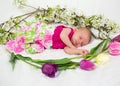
x: 81, y: 37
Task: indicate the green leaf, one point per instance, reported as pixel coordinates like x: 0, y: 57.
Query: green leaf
x: 13, y: 60
x: 62, y: 61
x: 27, y: 60
x: 70, y: 65
x: 28, y: 23
x: 102, y: 46
x: 23, y: 58
x: 56, y: 61
x: 105, y: 45
x: 94, y: 50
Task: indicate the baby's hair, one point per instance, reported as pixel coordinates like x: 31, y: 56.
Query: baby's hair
x: 88, y: 29
x: 80, y: 27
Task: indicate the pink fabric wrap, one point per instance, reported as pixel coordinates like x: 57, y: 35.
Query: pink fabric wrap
x: 56, y: 41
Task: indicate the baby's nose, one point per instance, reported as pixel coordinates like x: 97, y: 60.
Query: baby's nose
x: 79, y: 44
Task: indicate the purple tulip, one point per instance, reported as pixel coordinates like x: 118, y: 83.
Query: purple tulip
x: 117, y: 38
x: 87, y: 65
x: 49, y: 69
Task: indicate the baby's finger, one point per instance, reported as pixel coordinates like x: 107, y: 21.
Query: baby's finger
x: 85, y: 52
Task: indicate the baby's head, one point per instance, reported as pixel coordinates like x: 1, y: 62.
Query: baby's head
x: 81, y: 37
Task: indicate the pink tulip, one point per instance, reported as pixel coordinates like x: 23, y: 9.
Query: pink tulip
x: 116, y: 38
x: 114, y: 48
x: 87, y: 65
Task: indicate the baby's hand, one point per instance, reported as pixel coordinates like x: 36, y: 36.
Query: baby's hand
x: 83, y: 51
x: 75, y: 51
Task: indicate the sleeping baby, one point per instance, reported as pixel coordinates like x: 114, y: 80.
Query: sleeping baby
x: 37, y: 37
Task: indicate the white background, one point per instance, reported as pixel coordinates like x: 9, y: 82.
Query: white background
x: 25, y: 75
x: 108, y: 8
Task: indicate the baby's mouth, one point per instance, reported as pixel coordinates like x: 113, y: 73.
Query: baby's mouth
x: 76, y: 42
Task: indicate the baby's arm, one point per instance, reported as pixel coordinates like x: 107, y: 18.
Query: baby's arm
x: 64, y: 37
x: 75, y: 51
x: 70, y: 48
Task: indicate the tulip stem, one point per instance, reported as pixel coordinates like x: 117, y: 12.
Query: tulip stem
x: 94, y: 55
x: 77, y: 57
x: 36, y: 66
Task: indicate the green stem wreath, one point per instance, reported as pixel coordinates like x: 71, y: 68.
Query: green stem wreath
x: 64, y: 63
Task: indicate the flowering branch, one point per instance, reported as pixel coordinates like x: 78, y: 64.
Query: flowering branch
x: 102, y: 25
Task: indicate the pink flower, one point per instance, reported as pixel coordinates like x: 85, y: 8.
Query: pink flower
x: 16, y: 45
x: 10, y: 45
x: 116, y: 38
x: 18, y: 48
x: 28, y: 28
x: 47, y: 39
x: 38, y: 44
x: 20, y: 40
x: 38, y: 40
x: 38, y: 31
x: 38, y: 24
x: 114, y: 48
x: 23, y: 29
x: 38, y: 48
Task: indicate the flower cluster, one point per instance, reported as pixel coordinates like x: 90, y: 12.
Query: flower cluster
x: 102, y: 25
x: 98, y: 22
x: 33, y: 38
